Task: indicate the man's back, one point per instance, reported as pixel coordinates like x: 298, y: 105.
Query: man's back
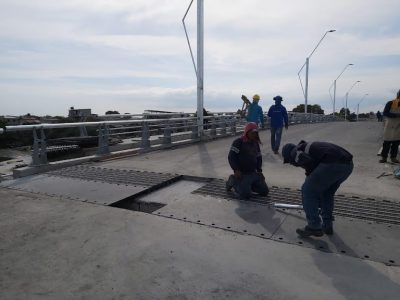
x: 255, y: 114
x: 278, y: 115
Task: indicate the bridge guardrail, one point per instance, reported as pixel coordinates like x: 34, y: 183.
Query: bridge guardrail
x: 145, y: 133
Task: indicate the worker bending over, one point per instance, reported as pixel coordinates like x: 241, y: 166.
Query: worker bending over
x: 327, y: 167
x: 246, y: 162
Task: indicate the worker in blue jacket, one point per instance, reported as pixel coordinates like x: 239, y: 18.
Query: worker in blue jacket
x: 279, y: 117
x: 327, y: 166
x: 246, y: 161
x: 255, y: 113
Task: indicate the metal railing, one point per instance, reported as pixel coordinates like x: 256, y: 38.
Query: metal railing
x: 151, y: 131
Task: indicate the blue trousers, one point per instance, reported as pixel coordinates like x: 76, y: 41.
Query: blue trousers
x: 318, y: 191
x: 252, y: 182
x: 276, y: 134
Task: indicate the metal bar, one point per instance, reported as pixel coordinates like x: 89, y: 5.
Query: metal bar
x: 78, y: 124
x: 187, y: 38
x: 200, y: 66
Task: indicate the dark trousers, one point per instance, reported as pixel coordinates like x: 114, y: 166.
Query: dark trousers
x: 247, y: 183
x: 318, y: 191
x: 393, y: 146
x: 276, y: 135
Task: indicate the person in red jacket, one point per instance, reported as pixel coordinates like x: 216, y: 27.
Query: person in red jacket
x: 246, y: 162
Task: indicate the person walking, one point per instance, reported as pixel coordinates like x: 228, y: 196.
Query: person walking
x: 279, y: 117
x: 255, y: 113
x: 391, y: 131
x: 246, y: 161
x: 327, y: 166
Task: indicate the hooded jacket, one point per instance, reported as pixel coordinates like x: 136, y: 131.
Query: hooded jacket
x: 278, y: 115
x: 245, y: 155
x: 310, y: 155
x: 255, y: 114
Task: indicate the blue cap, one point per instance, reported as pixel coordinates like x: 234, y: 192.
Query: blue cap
x: 278, y: 98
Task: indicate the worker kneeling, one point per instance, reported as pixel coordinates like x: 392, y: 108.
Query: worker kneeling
x: 327, y: 167
x: 246, y: 161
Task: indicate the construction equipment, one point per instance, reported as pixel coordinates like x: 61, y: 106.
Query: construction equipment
x: 246, y: 102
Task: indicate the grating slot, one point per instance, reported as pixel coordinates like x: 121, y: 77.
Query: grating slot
x: 376, y: 210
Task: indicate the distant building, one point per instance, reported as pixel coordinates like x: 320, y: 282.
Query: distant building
x: 10, y: 120
x: 81, y: 113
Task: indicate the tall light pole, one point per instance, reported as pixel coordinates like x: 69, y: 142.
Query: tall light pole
x: 347, y: 96
x: 358, y: 104
x: 334, y: 88
x: 199, y: 68
x: 306, y: 64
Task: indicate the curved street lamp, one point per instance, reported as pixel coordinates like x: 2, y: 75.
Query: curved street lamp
x: 306, y: 64
x: 358, y: 104
x: 347, y: 96
x: 334, y: 88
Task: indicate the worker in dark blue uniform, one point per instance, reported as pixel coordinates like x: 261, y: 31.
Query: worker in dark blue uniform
x: 279, y: 117
x: 327, y: 167
x: 246, y: 162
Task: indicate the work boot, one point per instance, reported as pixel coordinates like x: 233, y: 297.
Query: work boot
x: 383, y: 160
x: 307, y: 232
x: 229, y: 183
x: 394, y: 160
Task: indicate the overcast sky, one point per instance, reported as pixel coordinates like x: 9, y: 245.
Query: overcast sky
x: 131, y: 55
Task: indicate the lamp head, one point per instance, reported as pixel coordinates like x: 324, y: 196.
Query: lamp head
x: 332, y: 30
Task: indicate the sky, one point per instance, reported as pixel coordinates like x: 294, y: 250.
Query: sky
x: 132, y: 55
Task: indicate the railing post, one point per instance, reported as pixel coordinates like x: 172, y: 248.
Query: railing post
x: 223, y: 127
x: 195, y: 134
x: 83, y: 131
x: 103, y: 146
x: 39, y: 154
x: 35, y: 149
x: 167, y: 140
x: 213, y: 131
x: 145, y: 136
x: 233, y: 126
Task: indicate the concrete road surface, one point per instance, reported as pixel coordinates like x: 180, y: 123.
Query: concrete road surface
x: 362, y: 139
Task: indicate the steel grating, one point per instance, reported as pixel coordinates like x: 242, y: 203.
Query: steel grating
x: 117, y: 176
x: 369, y: 209
x: 92, y: 184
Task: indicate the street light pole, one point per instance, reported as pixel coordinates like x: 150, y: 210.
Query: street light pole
x: 334, y: 88
x: 358, y: 105
x: 347, y: 96
x: 306, y: 64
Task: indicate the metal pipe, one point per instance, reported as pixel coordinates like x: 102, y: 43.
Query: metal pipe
x: 187, y: 38
x: 200, y: 66
x: 78, y: 124
x: 289, y: 206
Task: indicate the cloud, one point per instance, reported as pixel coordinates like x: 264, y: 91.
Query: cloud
x: 133, y: 53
